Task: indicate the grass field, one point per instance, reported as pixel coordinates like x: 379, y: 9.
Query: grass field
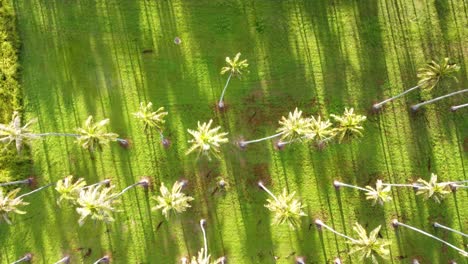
x: 102, y: 58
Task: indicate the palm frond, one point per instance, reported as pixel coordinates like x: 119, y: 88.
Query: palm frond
x: 96, y: 202
x: 68, y: 189
x: 172, y: 201
x: 151, y: 119
x: 431, y: 75
x: 349, y: 125
x: 15, y: 133
x: 206, y: 140
x: 294, y: 126
x: 286, y: 209
x: 92, y: 136
x: 235, y: 66
x: 433, y: 189
x: 9, y: 203
x: 369, y: 247
x: 381, y: 194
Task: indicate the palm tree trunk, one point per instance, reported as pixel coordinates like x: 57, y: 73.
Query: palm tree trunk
x: 449, y: 229
x: 106, y: 181
x: 27, y: 257
x: 126, y: 189
x: 396, y: 223
x: 338, y: 184
x: 399, y: 185
x: 322, y: 224
x: 14, y: 182
x: 377, y: 106
x: 221, y: 102
x: 37, y: 190
x: 456, y: 107
x: 105, y: 259
x: 205, y: 243
x: 63, y: 260
x: 245, y: 143
x: 416, y: 106
x: 268, y: 191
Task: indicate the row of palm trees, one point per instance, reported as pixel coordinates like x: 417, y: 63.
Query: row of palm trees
x: 430, y: 77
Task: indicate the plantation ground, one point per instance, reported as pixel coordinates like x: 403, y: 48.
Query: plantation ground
x: 102, y: 58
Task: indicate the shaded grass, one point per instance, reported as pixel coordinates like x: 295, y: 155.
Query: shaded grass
x: 104, y: 57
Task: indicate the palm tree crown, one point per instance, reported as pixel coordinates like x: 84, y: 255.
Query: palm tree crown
x: 206, y: 140
x: 14, y: 132
x: 97, y: 203
x: 433, y: 189
x: 294, y: 126
x: 92, y: 135
x: 174, y: 201
x: 381, y: 194
x: 9, y: 203
x: 430, y: 75
x: 349, y: 124
x: 151, y: 120
x: 235, y: 66
x: 321, y: 132
x: 68, y: 189
x: 369, y: 247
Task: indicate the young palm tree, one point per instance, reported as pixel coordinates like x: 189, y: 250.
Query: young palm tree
x: 349, y: 125
x: 203, y: 256
x: 292, y: 128
x: 9, y: 203
x: 433, y: 189
x: 26, y: 258
x: 105, y: 259
x: 285, y: 207
x: 152, y: 120
x: 206, y: 140
x: 93, y: 137
x: 64, y: 260
x: 367, y: 247
x: 429, y: 77
x: 14, y: 132
x: 396, y: 223
x: 235, y: 67
x: 379, y: 195
x: 174, y: 201
x: 456, y: 107
x: 416, y: 106
x: 437, y: 225
x: 68, y: 189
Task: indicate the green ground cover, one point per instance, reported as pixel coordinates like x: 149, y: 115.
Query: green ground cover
x: 102, y: 58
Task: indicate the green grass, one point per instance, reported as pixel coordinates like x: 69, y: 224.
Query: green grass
x: 104, y: 57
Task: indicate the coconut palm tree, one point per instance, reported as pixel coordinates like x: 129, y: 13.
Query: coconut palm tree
x: 14, y: 132
x: 437, y: 225
x: 349, y: 125
x: 292, y: 128
x: 429, y: 77
x: 456, y: 107
x: 151, y: 120
x: 9, y: 203
x: 433, y: 189
x: 97, y: 203
x: 26, y: 258
x: 367, y: 247
x: 417, y: 106
x: 206, y: 140
x: 235, y: 67
x: 68, y: 189
x: 379, y: 195
x: 203, y: 256
x: 105, y: 259
x: 174, y: 201
x: 285, y: 207
x: 65, y: 260
x: 93, y: 137
x: 396, y: 224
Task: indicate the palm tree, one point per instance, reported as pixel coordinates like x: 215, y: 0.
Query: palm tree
x: 26, y: 258
x: 437, y: 225
x: 235, y: 67
x: 349, y: 125
x: 416, y: 106
x: 456, y: 107
x: 174, y: 201
x: 65, y: 260
x: 285, y: 207
x: 292, y: 128
x: 368, y: 247
x: 14, y: 132
x: 152, y: 120
x: 433, y: 189
x: 203, y: 256
x: 206, y: 140
x: 105, y: 259
x: 9, y: 203
x: 396, y: 224
x: 97, y: 203
x: 68, y: 189
x: 429, y: 77
x: 92, y: 135
x: 379, y: 195
x: 321, y: 132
